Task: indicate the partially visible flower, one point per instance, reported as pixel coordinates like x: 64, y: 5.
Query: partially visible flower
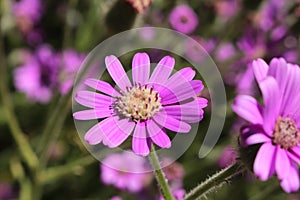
x: 119, y: 170
x: 174, y: 172
x: 276, y: 124
x: 27, y: 13
x: 227, y: 8
x: 116, y: 198
x: 139, y: 5
x: 227, y: 157
x: 199, y: 49
x: 183, y: 19
x: 6, y: 191
x: 224, y: 52
x: 38, y: 75
x: 147, y: 107
x: 70, y: 63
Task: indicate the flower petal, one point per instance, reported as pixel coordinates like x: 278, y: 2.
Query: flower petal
x: 158, y: 135
x: 101, y: 86
x: 282, y: 163
x: 260, y: 69
x: 181, y: 92
x: 272, y: 102
x: 140, y: 68
x: 139, y: 140
x: 190, y: 112
x: 93, y: 99
x: 248, y: 108
x: 182, y: 76
x: 291, y: 183
x: 92, y: 114
x: 163, y: 70
x: 117, y: 72
x: 264, y: 162
x: 256, y: 139
x: 171, y: 123
x: 117, y: 131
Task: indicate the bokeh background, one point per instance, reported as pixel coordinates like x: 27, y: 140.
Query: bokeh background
x: 43, y: 44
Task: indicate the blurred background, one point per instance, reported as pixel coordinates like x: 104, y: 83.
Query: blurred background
x: 42, y: 45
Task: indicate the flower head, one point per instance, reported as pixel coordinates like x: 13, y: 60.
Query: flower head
x: 276, y: 124
x: 125, y: 179
x: 145, y: 107
x: 38, y: 75
x: 183, y: 19
x: 227, y: 157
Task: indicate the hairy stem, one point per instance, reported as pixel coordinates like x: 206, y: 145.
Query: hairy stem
x: 160, y: 176
x: 213, y: 183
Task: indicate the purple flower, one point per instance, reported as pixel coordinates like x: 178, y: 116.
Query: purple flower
x: 70, y: 63
x: 38, y: 75
x: 147, y: 107
x: 224, y: 52
x: 276, y: 124
x: 178, y: 194
x: 116, y: 198
x: 27, y: 13
x: 183, y: 19
x: 125, y: 179
x: 6, y: 191
x: 227, y: 157
x: 227, y: 8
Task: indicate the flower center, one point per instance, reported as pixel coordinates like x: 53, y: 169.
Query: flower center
x: 286, y: 133
x: 139, y: 103
x: 183, y: 19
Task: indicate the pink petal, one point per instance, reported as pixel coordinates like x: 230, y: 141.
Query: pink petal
x: 92, y: 114
x: 140, y: 68
x: 282, y: 163
x: 180, y: 77
x: 248, y: 108
x: 101, y: 86
x: 190, y: 112
x: 291, y: 183
x: 260, y: 69
x: 95, y: 134
x: 291, y: 97
x: 163, y: 70
x: 117, y: 72
x: 272, y: 101
x: 181, y: 92
x: 158, y: 135
x: 117, y: 131
x: 278, y: 69
x: 93, y: 99
x: 264, y: 162
x: 256, y: 139
x: 139, y: 140
x: 171, y: 123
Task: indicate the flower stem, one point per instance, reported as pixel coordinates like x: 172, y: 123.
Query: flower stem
x: 160, y: 176
x: 214, y: 182
x: 23, y: 145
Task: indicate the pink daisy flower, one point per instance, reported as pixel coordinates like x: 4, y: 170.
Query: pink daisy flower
x: 276, y: 124
x: 146, y: 107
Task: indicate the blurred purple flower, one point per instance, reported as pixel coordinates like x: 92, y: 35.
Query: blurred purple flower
x: 224, y: 52
x: 27, y: 13
x: 183, y: 19
x: 146, y: 107
x: 6, y: 191
x: 70, y: 64
x: 198, y: 51
x: 227, y: 157
x: 38, y: 75
x: 115, y: 198
x: 226, y: 9
x: 276, y: 124
x: 126, y: 179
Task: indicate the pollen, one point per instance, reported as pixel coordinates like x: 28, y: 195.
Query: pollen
x: 139, y: 103
x: 286, y: 133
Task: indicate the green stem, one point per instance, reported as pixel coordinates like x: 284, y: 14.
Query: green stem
x: 214, y: 182
x: 160, y: 176
x: 23, y: 145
